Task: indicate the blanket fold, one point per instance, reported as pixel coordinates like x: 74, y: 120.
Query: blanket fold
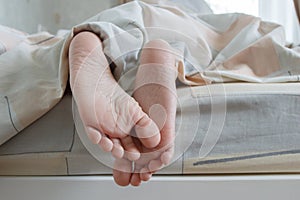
x: 209, y: 49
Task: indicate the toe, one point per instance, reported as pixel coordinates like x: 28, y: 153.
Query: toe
x: 131, y: 151
x: 135, y: 180
x: 118, y: 150
x: 106, y: 144
x: 147, y: 131
x: 166, y: 157
x: 155, y: 165
x: 122, y: 172
x: 145, y: 174
x: 93, y: 134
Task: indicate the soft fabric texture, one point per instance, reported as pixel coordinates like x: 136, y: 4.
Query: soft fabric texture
x: 31, y: 82
x: 260, y: 135
x: 210, y: 49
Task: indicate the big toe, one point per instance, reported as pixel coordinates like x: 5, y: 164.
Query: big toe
x: 131, y: 151
x: 122, y: 171
x: 147, y: 132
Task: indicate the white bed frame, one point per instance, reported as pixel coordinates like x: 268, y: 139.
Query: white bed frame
x: 275, y: 187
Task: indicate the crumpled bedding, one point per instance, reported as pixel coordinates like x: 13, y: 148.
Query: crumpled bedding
x: 209, y: 48
x: 260, y: 134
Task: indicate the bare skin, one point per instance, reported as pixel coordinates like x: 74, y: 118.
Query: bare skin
x: 156, y: 94
x: 107, y: 111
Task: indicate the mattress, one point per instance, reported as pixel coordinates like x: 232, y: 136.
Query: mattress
x: 232, y: 128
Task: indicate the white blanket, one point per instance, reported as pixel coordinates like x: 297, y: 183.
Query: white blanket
x: 210, y: 48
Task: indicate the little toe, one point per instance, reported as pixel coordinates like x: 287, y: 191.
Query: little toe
x: 147, y: 132
x: 118, y: 150
x: 122, y: 171
x: 131, y: 151
x: 167, y: 156
x: 106, y: 144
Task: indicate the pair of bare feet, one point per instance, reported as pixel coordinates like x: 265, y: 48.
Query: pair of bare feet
x: 110, y: 115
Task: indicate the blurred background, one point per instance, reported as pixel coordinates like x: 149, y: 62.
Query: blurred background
x: 51, y: 15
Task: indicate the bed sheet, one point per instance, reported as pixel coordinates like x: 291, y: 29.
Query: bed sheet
x: 260, y: 134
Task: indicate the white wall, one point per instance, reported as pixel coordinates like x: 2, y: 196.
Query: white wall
x: 52, y: 15
x: 284, y: 13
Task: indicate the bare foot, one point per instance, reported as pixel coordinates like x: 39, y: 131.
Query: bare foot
x: 107, y: 111
x: 156, y: 94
